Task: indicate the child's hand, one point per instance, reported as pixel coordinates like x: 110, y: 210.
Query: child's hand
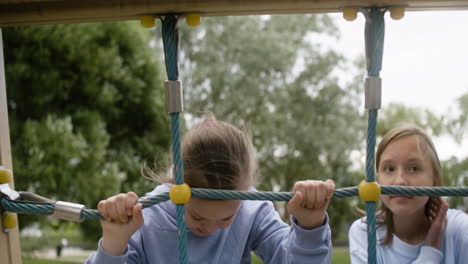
x: 123, y: 217
x: 310, y: 202
x: 436, y: 232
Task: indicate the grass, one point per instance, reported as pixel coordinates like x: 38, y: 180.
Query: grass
x: 46, y: 261
x: 340, y: 256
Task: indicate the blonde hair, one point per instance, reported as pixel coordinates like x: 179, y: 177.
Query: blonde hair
x: 385, y: 217
x: 216, y: 155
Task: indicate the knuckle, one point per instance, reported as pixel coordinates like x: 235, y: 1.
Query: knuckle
x: 120, y: 197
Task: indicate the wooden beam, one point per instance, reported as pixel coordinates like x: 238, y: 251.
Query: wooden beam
x: 9, y: 242
x: 36, y: 12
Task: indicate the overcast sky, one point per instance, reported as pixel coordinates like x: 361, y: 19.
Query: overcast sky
x: 425, y: 62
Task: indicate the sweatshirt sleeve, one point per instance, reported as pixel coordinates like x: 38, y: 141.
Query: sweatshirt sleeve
x: 131, y: 256
x: 134, y: 254
x: 429, y: 255
x: 358, y: 242
x: 458, y: 223
x: 275, y: 242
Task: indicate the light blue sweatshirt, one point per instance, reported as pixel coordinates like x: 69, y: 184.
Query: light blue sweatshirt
x: 454, y: 246
x: 257, y: 227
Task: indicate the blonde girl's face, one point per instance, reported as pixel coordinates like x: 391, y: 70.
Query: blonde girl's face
x: 204, y: 217
x: 406, y: 161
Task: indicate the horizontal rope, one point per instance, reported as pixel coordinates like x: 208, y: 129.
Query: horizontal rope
x: 23, y: 207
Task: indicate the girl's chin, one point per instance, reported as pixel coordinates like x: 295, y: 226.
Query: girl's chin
x: 199, y: 233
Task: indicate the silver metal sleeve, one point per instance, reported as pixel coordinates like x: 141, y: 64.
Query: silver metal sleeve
x: 6, y: 190
x: 174, y: 97
x: 373, y: 93
x: 68, y: 211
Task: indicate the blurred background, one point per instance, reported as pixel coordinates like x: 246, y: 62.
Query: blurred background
x: 86, y: 106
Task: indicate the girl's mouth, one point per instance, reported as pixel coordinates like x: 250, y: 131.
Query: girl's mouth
x: 398, y: 197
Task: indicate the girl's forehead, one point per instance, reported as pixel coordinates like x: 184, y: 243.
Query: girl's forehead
x: 213, y: 209
x: 408, y: 147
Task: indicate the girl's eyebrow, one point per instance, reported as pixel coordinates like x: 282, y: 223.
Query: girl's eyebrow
x: 198, y: 216
x: 414, y: 160
x: 195, y: 214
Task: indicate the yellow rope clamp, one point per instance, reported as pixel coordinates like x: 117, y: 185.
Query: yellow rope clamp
x: 180, y: 193
x: 349, y: 13
x: 192, y: 20
x: 369, y: 191
x: 5, y: 176
x: 397, y: 13
x: 9, y: 220
x: 147, y: 21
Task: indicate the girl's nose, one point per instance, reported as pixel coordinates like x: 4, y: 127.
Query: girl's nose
x: 210, y: 227
x: 400, y: 179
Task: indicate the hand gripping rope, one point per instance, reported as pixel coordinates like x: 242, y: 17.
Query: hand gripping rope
x: 180, y: 193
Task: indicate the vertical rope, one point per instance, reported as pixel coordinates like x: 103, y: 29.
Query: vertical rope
x: 170, y: 35
x: 374, y: 40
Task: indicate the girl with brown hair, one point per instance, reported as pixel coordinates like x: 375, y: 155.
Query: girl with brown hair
x: 217, y: 155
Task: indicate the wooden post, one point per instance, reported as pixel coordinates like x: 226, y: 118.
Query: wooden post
x: 10, y: 252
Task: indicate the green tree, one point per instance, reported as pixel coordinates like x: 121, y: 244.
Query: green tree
x: 270, y: 74
x: 395, y: 114
x: 86, y: 110
x: 455, y: 171
x: 457, y: 125
x: 456, y: 168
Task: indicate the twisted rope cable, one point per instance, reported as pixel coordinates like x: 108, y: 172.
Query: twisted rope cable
x: 170, y: 35
x: 370, y: 177
x: 374, y: 40
x: 23, y: 207
x: 374, y: 32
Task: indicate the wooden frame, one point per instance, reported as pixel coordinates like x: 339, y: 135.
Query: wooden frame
x: 9, y: 242
x: 37, y: 12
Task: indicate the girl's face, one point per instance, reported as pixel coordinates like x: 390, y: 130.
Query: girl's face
x: 204, y: 217
x: 406, y: 162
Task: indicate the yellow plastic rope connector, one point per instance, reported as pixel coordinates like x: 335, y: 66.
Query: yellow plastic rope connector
x: 369, y: 191
x: 9, y: 220
x: 397, y: 13
x: 180, y: 193
x: 5, y: 176
x: 148, y: 21
x: 192, y: 20
x: 350, y: 14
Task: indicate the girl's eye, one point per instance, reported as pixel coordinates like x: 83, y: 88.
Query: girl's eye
x: 227, y: 218
x: 413, y: 169
x: 389, y: 169
x: 197, y: 218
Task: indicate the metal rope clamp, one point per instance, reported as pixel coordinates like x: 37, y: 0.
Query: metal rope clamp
x: 174, y: 97
x: 373, y: 93
x: 6, y: 191
x: 68, y: 211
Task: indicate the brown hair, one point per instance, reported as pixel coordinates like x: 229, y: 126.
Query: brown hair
x: 216, y: 155
x: 385, y: 217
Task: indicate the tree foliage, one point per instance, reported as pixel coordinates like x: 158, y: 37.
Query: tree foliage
x: 395, y: 114
x: 85, y: 104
